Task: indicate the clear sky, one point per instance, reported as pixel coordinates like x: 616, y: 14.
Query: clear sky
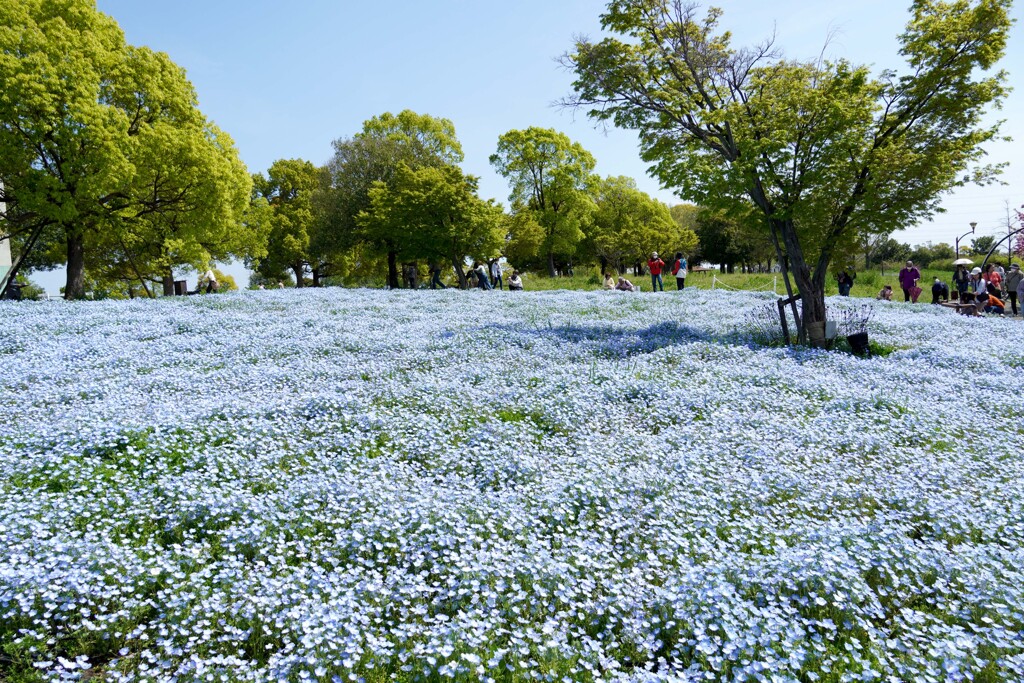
x: 286, y: 79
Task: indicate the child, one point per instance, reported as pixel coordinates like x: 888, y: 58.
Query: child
x: 885, y: 294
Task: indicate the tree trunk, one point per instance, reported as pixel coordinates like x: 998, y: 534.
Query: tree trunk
x: 316, y: 276
x: 299, y: 271
x: 812, y: 292
x: 74, y: 287
x: 168, y: 283
x: 551, y: 265
x: 392, y: 270
x: 457, y: 265
x: 604, y: 265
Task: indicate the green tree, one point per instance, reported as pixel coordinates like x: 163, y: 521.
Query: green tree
x: 434, y: 213
x: 925, y: 254
x: 890, y: 250
x: 101, y: 144
x: 820, y: 148
x: 722, y: 239
x: 550, y: 178
x: 289, y: 188
x: 374, y: 155
x: 982, y: 245
x: 628, y: 224
x: 188, y: 204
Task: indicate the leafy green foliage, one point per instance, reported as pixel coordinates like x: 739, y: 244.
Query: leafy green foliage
x: 104, y: 151
x: 628, y: 225
x: 374, y: 156
x: 288, y: 189
x: 823, y: 150
x: 433, y: 213
x: 550, y: 177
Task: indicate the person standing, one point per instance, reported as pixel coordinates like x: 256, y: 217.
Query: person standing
x: 961, y: 280
x: 908, y: 280
x: 656, y: 265
x: 1020, y: 292
x: 496, y: 279
x: 845, y: 281
x: 994, y: 280
x: 211, y: 281
x: 411, y: 276
x: 1014, y: 280
x: 679, y: 270
x: 435, y: 276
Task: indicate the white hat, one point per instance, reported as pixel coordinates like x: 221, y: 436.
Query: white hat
x: 976, y: 271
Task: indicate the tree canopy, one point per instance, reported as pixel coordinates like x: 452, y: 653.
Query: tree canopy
x: 102, y: 147
x: 821, y: 148
x: 289, y: 189
x: 371, y: 156
x: 550, y: 178
x: 627, y: 225
x: 434, y: 213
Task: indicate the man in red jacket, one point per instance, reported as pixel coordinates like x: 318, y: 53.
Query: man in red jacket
x: 656, y: 265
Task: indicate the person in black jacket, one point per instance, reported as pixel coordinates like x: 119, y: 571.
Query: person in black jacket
x: 961, y: 281
x: 845, y: 280
x: 940, y: 291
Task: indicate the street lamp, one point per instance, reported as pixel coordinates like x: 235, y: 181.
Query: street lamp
x: 973, y: 226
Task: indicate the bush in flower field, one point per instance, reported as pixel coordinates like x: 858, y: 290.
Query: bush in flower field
x: 332, y: 485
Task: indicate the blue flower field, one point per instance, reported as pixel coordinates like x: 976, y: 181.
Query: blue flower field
x: 343, y: 485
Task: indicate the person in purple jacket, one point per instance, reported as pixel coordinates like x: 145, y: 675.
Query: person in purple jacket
x: 908, y: 279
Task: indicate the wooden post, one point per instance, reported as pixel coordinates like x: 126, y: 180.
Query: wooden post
x: 782, y: 303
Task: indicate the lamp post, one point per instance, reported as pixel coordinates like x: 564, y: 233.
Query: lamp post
x: 973, y: 226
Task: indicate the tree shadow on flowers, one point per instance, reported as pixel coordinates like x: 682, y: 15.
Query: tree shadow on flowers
x: 616, y: 342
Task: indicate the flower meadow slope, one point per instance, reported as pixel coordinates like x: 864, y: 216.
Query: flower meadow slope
x: 369, y: 486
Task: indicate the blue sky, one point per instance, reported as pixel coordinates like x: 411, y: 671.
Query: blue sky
x: 285, y: 79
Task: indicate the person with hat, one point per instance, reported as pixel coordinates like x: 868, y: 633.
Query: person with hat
x: 977, y: 283
x: 655, y: 265
x: 1014, y: 280
x: 908, y: 281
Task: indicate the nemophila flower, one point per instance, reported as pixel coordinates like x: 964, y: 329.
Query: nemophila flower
x: 324, y: 485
